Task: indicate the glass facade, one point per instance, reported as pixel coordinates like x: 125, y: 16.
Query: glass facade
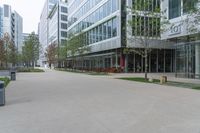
x: 100, y: 13
x: 152, y: 26
x: 188, y: 60
x: 103, y: 31
x: 188, y: 5
x: 174, y: 8
x: 89, y: 4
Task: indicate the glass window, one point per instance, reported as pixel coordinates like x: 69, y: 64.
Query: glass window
x: 63, y: 26
x: 114, y: 27
x: 63, y: 17
x: 64, y: 9
x: 6, y: 11
x: 109, y: 28
x: 188, y: 5
x: 63, y: 34
x: 174, y: 8
x: 105, y: 35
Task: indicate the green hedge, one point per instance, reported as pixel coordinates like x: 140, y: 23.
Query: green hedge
x: 6, y: 81
x: 29, y: 70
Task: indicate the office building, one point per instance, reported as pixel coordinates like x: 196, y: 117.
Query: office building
x: 183, y: 33
x: 11, y: 23
x: 52, y: 25
x: 17, y: 30
x: 104, y: 23
x: 57, y: 23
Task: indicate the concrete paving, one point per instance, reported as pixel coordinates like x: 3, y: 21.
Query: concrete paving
x: 61, y: 102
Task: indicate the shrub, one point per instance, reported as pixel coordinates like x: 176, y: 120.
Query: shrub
x: 29, y: 70
x: 6, y: 81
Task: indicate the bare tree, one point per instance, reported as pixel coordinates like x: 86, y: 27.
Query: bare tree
x: 51, y: 54
x: 2, y: 53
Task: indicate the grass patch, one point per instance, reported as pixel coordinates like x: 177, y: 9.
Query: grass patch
x: 138, y: 79
x: 6, y: 81
x: 29, y: 70
x: 98, y: 73
x: 196, y: 88
x: 169, y: 83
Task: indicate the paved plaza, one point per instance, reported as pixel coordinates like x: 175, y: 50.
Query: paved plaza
x: 62, y: 102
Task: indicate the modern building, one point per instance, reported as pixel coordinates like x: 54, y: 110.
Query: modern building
x: 17, y: 30
x: 12, y: 24
x: 104, y: 23
x: 184, y: 34
x: 52, y: 25
x: 57, y: 23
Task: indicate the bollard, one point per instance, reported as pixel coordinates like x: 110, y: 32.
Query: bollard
x: 2, y: 93
x: 163, y: 79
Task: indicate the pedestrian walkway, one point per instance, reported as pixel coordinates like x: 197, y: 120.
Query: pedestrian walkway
x: 62, y: 102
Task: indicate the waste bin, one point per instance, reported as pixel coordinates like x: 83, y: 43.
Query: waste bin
x: 13, y: 75
x: 2, y: 93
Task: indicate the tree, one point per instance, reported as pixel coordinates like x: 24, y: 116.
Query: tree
x: 76, y: 47
x: 144, y: 28
x: 2, y: 53
x: 51, y: 54
x: 62, y: 53
x: 7, y: 40
x: 31, y: 49
x: 12, y: 53
x: 192, y: 20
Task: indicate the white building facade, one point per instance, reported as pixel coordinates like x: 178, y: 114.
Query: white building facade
x: 183, y: 33
x: 50, y: 29
x: 58, y: 20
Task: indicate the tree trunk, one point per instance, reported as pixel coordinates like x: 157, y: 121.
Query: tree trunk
x: 146, y: 65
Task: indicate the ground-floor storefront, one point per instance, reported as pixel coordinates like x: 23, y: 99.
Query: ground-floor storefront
x: 159, y: 60
x: 188, y: 60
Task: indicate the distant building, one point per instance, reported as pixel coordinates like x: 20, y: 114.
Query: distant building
x: 52, y: 25
x: 1, y: 22
x: 12, y: 24
x: 18, y: 30
x: 58, y: 24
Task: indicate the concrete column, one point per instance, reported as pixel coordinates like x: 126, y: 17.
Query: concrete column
x: 111, y: 61
x: 134, y: 65
x: 149, y: 62
x: 197, y: 60
x: 126, y: 63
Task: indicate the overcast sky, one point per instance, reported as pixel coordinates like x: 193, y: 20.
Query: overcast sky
x: 30, y: 10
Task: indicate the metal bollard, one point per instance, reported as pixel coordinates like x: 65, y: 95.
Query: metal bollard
x: 2, y: 93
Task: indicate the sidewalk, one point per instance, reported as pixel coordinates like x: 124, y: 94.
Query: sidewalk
x: 170, y: 76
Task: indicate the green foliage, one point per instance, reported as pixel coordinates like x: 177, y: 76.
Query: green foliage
x: 31, y: 49
x: 6, y: 81
x: 196, y: 88
x: 76, y: 47
x: 8, y: 52
x: 29, y: 70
